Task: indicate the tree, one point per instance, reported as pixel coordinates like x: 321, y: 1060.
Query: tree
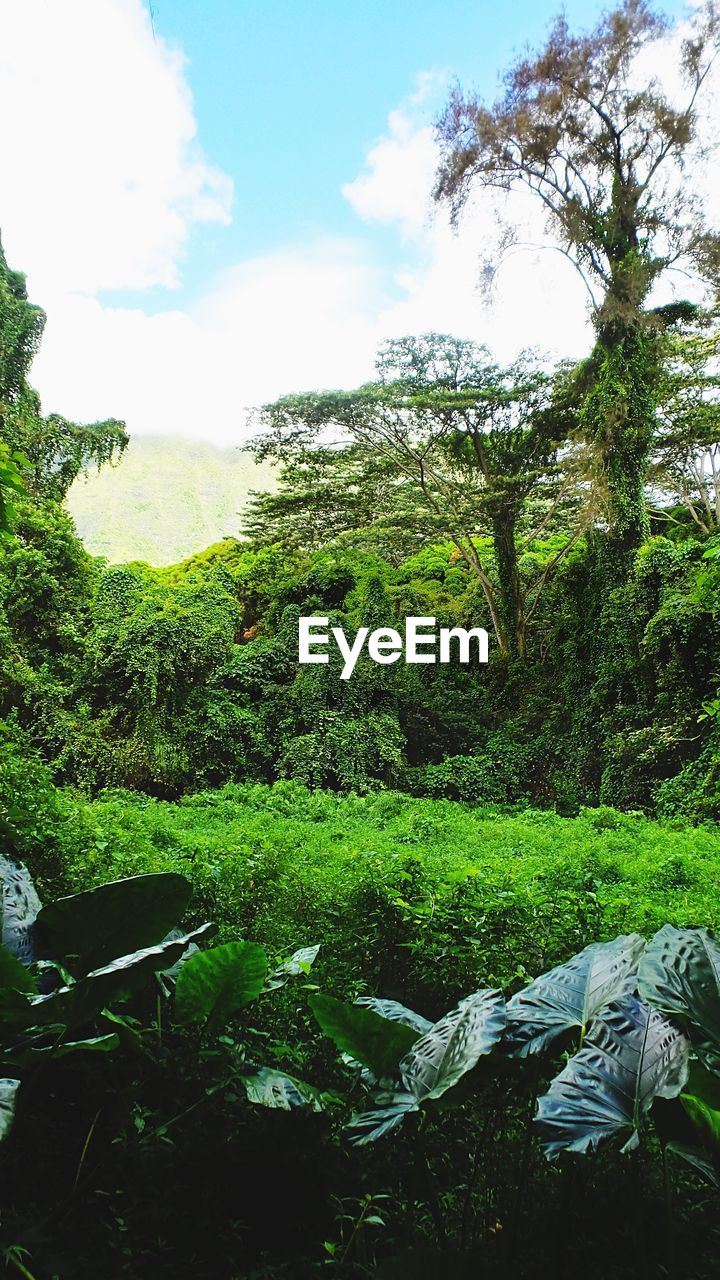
x: 475, y: 442
x: 686, y: 453
x: 326, y: 493
x: 21, y: 327
x: 55, y: 450
x: 602, y: 147
x: 50, y: 450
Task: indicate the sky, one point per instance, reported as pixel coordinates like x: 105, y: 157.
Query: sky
x: 218, y: 202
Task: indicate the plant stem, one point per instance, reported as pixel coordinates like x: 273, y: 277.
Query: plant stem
x: 669, y: 1217
x: 356, y: 1227
x: 431, y: 1195
x: 84, y: 1151
x: 19, y: 1266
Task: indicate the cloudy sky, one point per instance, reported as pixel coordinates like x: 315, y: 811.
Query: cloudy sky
x: 220, y: 201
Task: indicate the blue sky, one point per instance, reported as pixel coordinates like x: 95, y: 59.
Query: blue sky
x: 289, y: 96
x: 227, y: 200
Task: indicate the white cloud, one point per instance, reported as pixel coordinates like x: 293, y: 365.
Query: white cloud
x: 395, y: 184
x: 102, y: 177
x: 295, y: 320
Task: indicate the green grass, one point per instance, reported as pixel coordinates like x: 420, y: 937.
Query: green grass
x: 424, y: 898
x: 166, y: 499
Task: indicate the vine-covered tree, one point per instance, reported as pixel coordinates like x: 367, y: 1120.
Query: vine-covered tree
x: 21, y: 327
x: 478, y: 445
x: 10, y: 483
x: 585, y: 124
x: 50, y: 450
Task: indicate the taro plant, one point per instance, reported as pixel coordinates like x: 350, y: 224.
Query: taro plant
x: 66, y: 966
x: 68, y: 969
x: 642, y: 1018
x: 406, y: 1061
x: 212, y: 989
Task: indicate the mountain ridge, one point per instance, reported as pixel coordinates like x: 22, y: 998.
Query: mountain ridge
x: 167, y: 498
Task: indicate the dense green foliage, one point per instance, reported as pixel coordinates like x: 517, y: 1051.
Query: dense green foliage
x: 427, y: 895
x: 422, y: 901
x: 186, y: 677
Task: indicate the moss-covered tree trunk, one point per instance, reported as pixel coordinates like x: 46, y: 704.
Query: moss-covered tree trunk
x: 620, y: 414
x: 620, y: 409
x: 511, y: 607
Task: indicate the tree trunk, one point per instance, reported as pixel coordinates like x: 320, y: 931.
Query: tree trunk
x: 620, y: 419
x: 511, y: 599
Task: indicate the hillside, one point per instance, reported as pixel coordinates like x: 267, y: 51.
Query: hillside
x: 166, y: 499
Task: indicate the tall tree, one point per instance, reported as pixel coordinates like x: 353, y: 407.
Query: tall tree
x: 21, y: 327
x: 602, y: 146
x: 51, y: 450
x: 479, y: 446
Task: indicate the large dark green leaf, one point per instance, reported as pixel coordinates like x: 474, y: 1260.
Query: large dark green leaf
x: 83, y: 1000
x: 572, y: 994
x: 8, y: 1090
x: 13, y: 975
x: 701, y: 1101
x: 215, y: 984
x: 395, y: 1012
x: 435, y: 1063
x: 113, y: 919
x: 389, y: 1110
x: 680, y: 974
x: 15, y: 1013
x: 20, y: 906
x: 697, y: 1158
x: 453, y: 1045
x: 368, y: 1038
x: 631, y: 1056
x: 50, y: 1045
x: 275, y: 1089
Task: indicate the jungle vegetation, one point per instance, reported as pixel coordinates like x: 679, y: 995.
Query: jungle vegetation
x: 411, y: 975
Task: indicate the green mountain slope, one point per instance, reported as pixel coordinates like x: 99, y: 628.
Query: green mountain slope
x: 166, y: 499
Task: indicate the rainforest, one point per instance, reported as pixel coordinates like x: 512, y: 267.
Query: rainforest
x: 319, y: 962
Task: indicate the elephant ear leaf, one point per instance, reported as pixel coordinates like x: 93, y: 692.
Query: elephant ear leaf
x: 631, y: 1056
x: 83, y: 1000
x: 14, y: 976
x: 214, y: 985
x: 271, y: 1088
x: 701, y: 1101
x: 436, y: 1061
x: 696, y: 1157
x: 395, y: 1012
x: 20, y: 906
x: 572, y: 995
x: 363, y: 1035
x: 453, y: 1045
x: 680, y: 974
x: 389, y: 1111
x: 8, y: 1090
x: 91, y: 928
